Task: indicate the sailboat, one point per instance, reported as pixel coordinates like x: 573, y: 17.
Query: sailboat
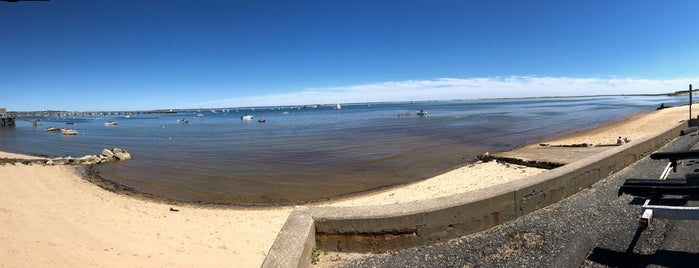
x: 338, y: 107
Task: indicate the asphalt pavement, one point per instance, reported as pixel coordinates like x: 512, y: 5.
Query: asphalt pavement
x: 594, y: 228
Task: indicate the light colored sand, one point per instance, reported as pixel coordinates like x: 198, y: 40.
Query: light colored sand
x: 21, y: 156
x: 465, y: 179
x: 635, y: 127
x: 49, y: 216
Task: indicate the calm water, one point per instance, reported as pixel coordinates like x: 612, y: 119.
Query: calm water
x: 313, y: 153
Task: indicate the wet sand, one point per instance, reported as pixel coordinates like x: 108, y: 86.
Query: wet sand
x: 52, y: 216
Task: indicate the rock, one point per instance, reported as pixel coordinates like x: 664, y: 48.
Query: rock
x: 105, y: 156
x: 107, y: 153
x: 60, y: 161
x: 104, y: 159
x: 89, y: 160
x: 121, y: 154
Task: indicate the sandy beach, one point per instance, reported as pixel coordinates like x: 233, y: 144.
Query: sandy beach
x: 51, y: 216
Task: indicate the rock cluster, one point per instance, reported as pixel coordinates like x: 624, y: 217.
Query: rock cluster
x: 116, y: 154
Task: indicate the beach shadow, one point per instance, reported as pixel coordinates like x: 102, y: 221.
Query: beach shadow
x: 664, y: 258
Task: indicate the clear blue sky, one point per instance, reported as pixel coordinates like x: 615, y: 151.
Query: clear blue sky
x: 91, y: 55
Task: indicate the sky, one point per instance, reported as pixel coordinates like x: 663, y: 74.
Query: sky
x: 82, y: 55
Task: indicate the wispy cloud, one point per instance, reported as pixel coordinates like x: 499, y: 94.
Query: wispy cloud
x: 462, y: 88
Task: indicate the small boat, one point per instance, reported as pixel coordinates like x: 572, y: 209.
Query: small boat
x: 261, y: 120
x: 110, y: 124
x: 182, y: 121
x: 200, y: 115
x: 66, y: 131
x: 128, y: 116
x: 52, y: 129
x: 422, y: 113
x: 338, y: 107
x: 246, y: 117
x: 285, y: 113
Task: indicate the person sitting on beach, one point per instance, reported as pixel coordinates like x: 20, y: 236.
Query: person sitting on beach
x: 619, y: 141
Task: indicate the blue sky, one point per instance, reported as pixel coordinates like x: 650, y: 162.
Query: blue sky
x: 124, y: 55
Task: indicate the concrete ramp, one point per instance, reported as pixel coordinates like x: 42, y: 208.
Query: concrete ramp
x: 548, y: 157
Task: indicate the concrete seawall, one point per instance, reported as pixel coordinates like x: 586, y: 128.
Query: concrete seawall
x: 380, y: 228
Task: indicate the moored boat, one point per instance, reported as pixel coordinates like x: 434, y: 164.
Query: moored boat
x: 67, y: 131
x: 246, y: 117
x: 110, y: 123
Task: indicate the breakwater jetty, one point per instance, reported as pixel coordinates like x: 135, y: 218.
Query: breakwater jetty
x: 90, y: 113
x: 6, y: 119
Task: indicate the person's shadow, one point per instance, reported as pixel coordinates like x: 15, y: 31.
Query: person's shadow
x: 664, y: 258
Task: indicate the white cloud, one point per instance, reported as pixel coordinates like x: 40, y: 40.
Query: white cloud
x: 463, y: 88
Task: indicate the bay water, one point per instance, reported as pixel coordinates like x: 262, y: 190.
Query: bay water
x: 304, y: 154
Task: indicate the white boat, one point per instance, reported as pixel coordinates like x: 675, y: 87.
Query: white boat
x: 422, y: 113
x: 338, y: 107
x: 66, y: 131
x: 110, y: 124
x: 247, y: 117
x: 182, y: 121
x: 285, y: 113
x: 127, y: 116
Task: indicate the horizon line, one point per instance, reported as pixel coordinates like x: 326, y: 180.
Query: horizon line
x: 166, y: 110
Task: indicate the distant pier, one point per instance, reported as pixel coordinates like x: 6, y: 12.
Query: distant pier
x: 6, y: 119
x: 90, y: 113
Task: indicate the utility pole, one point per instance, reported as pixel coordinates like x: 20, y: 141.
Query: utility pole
x: 690, y: 101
